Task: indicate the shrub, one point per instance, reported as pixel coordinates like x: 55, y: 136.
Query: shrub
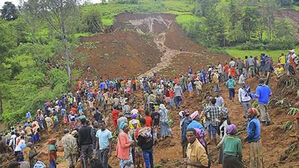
x: 281, y: 44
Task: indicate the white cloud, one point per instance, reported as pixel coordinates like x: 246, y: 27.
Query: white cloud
x: 17, y: 2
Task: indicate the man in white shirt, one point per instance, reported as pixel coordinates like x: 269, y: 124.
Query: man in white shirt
x: 232, y: 63
x: 244, y: 99
x: 219, y: 100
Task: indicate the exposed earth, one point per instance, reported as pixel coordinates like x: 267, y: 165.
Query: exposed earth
x: 292, y: 16
x: 145, y: 43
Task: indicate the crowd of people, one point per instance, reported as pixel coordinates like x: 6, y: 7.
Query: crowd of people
x: 104, y: 113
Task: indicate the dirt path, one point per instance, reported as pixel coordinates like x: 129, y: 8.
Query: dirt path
x: 292, y: 16
x: 159, y: 39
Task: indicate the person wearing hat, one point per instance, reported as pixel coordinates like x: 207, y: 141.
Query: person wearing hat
x: 244, y: 98
x: 52, y: 153
x: 70, y: 147
x: 254, y: 140
x: 232, y: 149
x: 263, y: 93
x: 165, y: 129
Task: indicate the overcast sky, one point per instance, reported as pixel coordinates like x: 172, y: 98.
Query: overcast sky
x: 17, y: 2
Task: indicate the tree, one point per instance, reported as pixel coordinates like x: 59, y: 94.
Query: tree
x: 250, y: 21
x: 285, y: 3
x: 62, y: 17
x: 9, y: 11
x: 7, y: 41
x: 92, y: 21
x: 283, y: 29
x: 267, y: 17
x: 203, y: 6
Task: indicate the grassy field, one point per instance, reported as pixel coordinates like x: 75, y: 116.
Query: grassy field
x: 186, y: 21
x: 242, y: 53
x: 110, y: 10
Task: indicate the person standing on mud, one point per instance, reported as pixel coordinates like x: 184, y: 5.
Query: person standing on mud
x: 212, y: 113
x: 244, y: 98
x: 184, y: 124
x: 254, y: 140
x: 232, y: 149
x: 263, y: 93
x: 145, y: 142
x: 85, y: 143
x: 69, y: 144
x: 104, y: 144
x: 196, y: 153
x: 231, y: 84
x: 178, y: 95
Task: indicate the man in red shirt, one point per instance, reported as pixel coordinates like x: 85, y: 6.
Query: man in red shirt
x: 115, y: 115
x: 148, y: 119
x: 226, y: 68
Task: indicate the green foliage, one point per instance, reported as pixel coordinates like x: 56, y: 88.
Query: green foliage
x: 250, y: 21
x: 187, y: 21
x: 31, y: 76
x: 283, y: 29
x: 293, y: 111
x: 57, y: 77
x: 110, y: 10
x: 287, y: 126
x: 7, y: 39
x: 92, y: 21
x: 247, y: 24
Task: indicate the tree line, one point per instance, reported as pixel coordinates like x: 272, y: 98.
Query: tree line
x: 36, y: 43
x: 248, y: 24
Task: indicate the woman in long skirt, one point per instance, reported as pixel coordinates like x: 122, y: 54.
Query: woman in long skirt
x: 165, y: 129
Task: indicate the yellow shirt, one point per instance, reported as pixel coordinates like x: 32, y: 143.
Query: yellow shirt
x: 196, y: 153
x: 279, y: 70
x: 282, y: 59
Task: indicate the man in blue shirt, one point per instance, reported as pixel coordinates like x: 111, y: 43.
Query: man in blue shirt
x: 263, y: 93
x: 104, y: 144
x: 253, y: 138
